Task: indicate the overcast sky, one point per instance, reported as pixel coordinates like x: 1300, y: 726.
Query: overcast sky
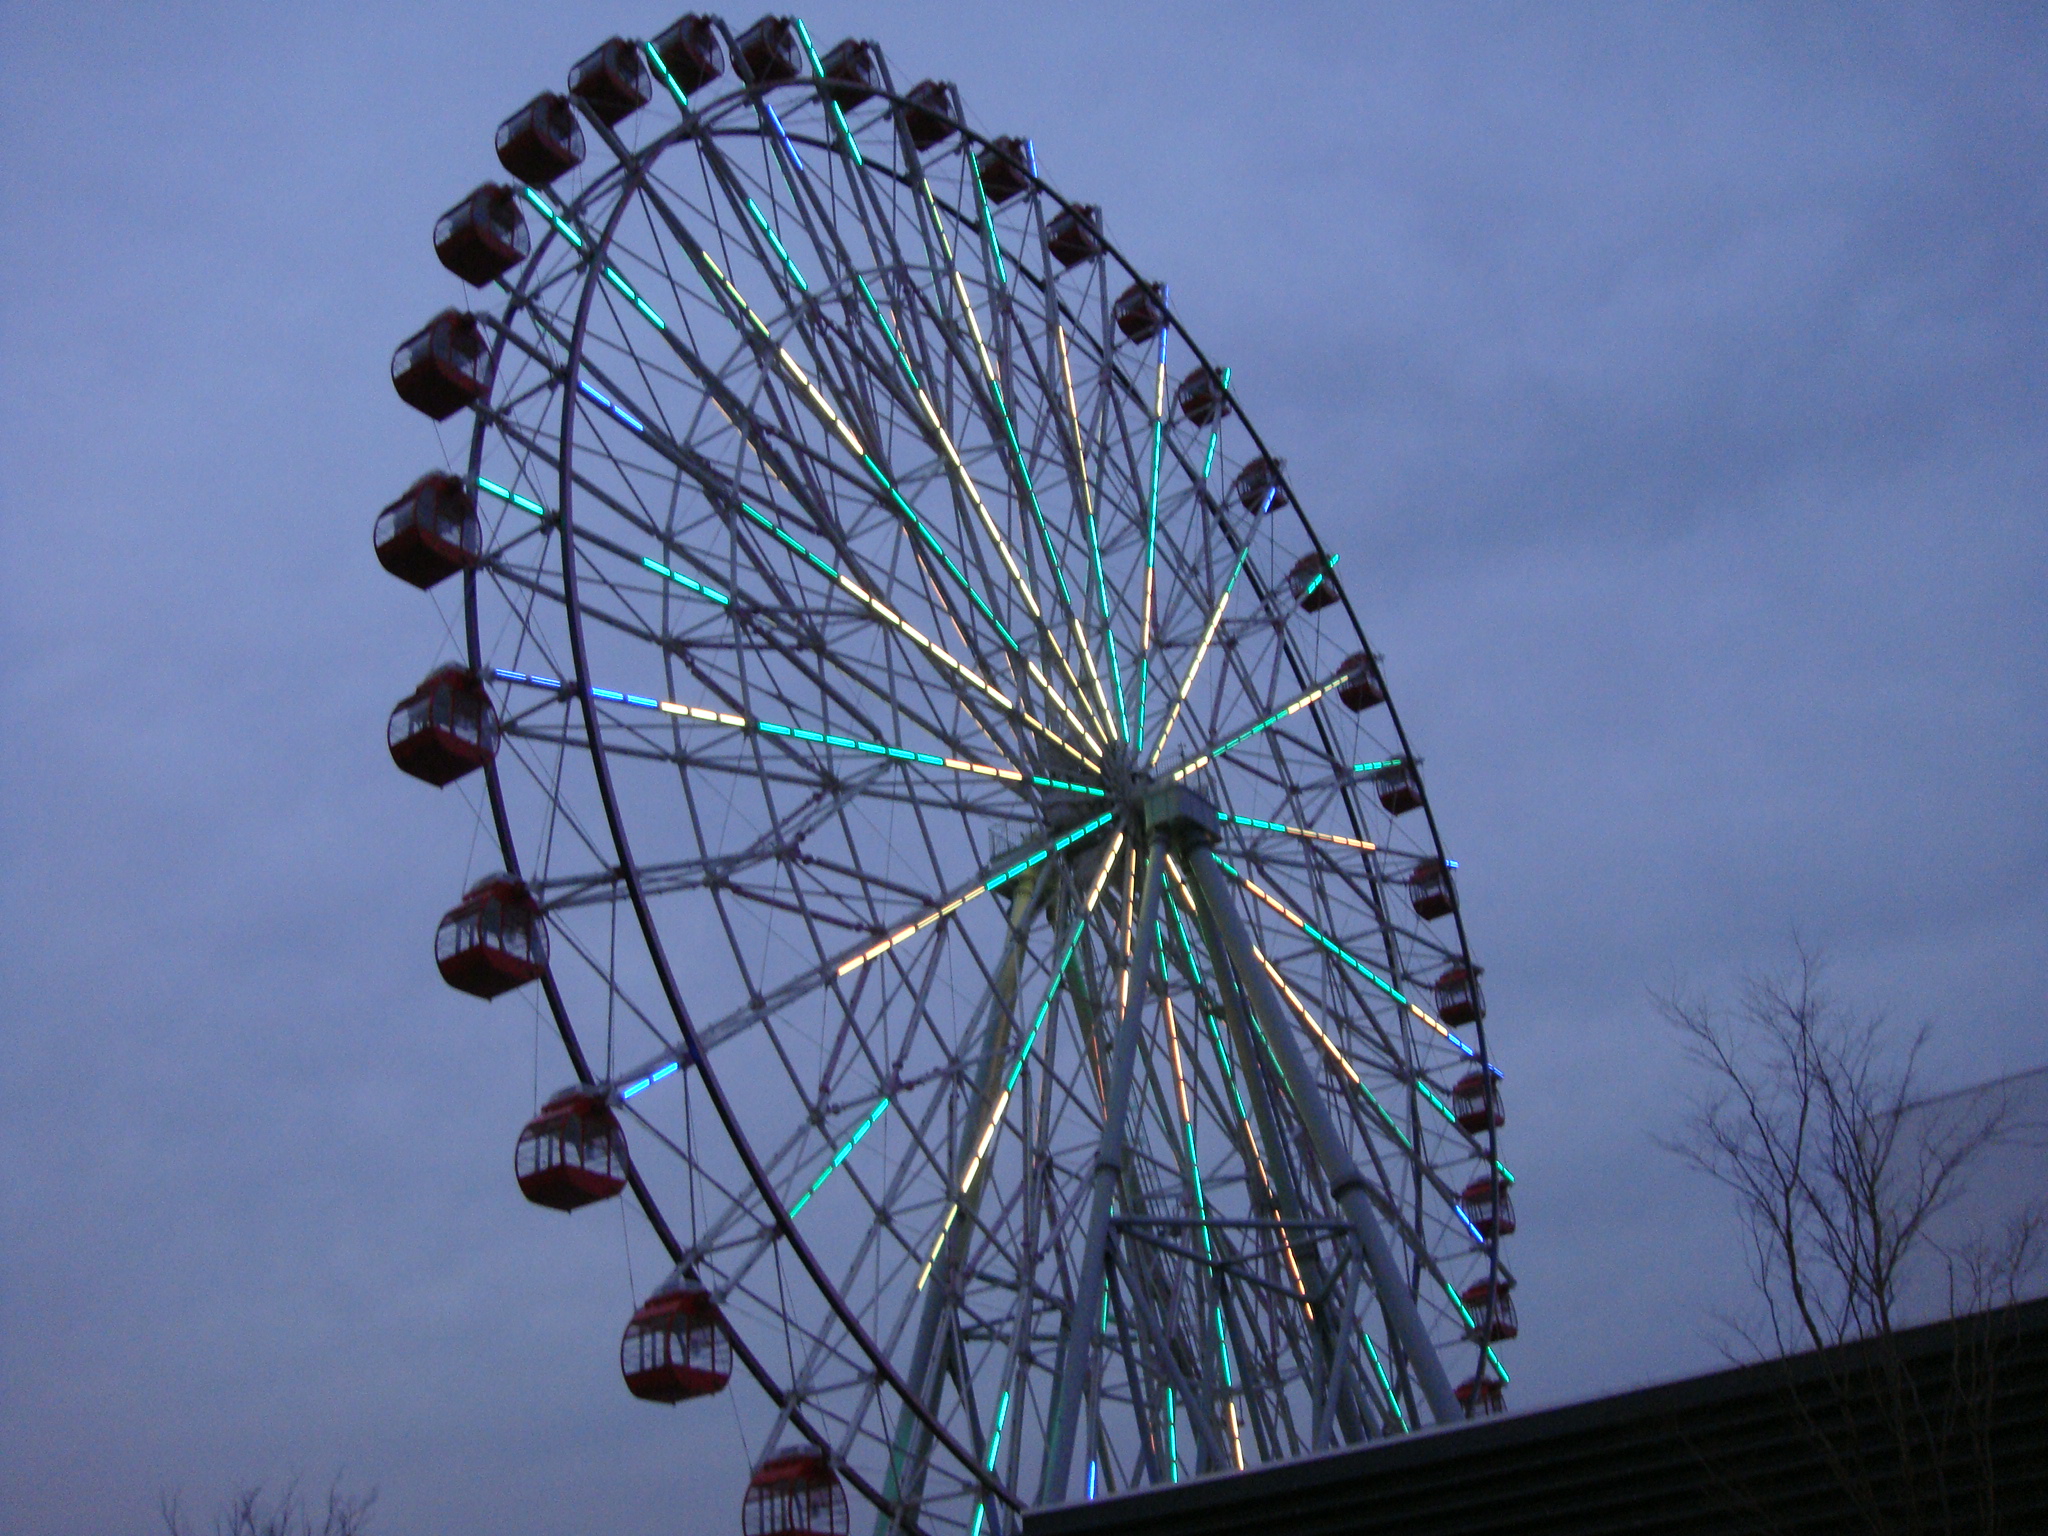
x: 1670, y: 379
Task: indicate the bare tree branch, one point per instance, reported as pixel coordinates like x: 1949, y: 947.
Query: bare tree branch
x: 247, y: 1512
x: 1805, y: 1120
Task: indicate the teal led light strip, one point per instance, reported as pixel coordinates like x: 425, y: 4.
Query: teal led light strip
x: 1339, y: 951
x: 832, y: 107
x: 841, y: 1156
x: 1386, y: 1386
x: 667, y: 79
x: 789, y: 265
x: 684, y: 581
x: 524, y: 503
x: 851, y: 743
x: 528, y: 504
x: 888, y: 330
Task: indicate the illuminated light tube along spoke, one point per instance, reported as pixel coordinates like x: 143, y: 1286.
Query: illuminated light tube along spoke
x: 818, y: 73
x: 957, y: 468
x: 704, y: 716
x: 528, y: 504
x: 1386, y: 1385
x: 917, y: 637
x: 782, y: 134
x: 789, y: 265
x: 1342, y: 953
x: 649, y: 1080
x: 1329, y: 1045
x: 841, y: 1156
x: 1266, y: 724
x: 1201, y: 653
x: 1151, y: 538
x: 686, y: 581
x: 581, y: 242
x: 667, y: 79
x: 1209, y: 458
x: 823, y: 409
x: 503, y: 493
x: 1002, y: 1104
x: 803, y: 985
x: 1308, y: 832
x: 1094, y: 544
x: 1052, y: 559
x: 625, y: 417
x: 991, y: 883
x: 562, y: 226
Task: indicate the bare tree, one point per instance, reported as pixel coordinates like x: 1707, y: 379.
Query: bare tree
x: 249, y: 1512
x: 1806, y: 1121
x: 1816, y: 1119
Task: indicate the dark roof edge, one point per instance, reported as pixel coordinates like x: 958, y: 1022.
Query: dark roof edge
x: 1463, y: 1440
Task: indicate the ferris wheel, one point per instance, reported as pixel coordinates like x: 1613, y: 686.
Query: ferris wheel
x: 947, y: 807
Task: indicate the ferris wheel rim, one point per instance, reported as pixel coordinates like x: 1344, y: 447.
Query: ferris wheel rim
x: 595, y: 729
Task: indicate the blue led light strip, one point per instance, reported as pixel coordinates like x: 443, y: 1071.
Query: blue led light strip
x: 650, y: 1080
x: 625, y: 417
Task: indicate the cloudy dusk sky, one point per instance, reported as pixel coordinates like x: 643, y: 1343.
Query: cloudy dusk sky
x: 1670, y: 378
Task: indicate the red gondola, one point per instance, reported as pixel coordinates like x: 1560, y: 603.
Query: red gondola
x: 1398, y: 788
x: 493, y: 941
x: 1074, y: 235
x: 1005, y: 169
x: 769, y: 52
x: 541, y: 140
x: 852, y: 74
x: 1258, y: 486
x: 1475, y: 1102
x: 443, y: 366
x: 483, y: 236
x: 1201, y: 397
x: 1140, y: 311
x: 572, y: 1153
x: 1488, y: 1206
x: 794, y: 1493
x: 1458, y: 999
x: 1364, y: 688
x: 430, y: 532
x: 1313, y: 581
x: 611, y: 80
x: 1492, y: 1309
x: 930, y: 112
x: 444, y: 728
x: 675, y: 1347
x: 691, y: 52
x: 1481, y: 1397
x: 1430, y: 890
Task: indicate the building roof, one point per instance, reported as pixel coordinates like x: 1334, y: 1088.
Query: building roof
x: 1931, y: 1428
